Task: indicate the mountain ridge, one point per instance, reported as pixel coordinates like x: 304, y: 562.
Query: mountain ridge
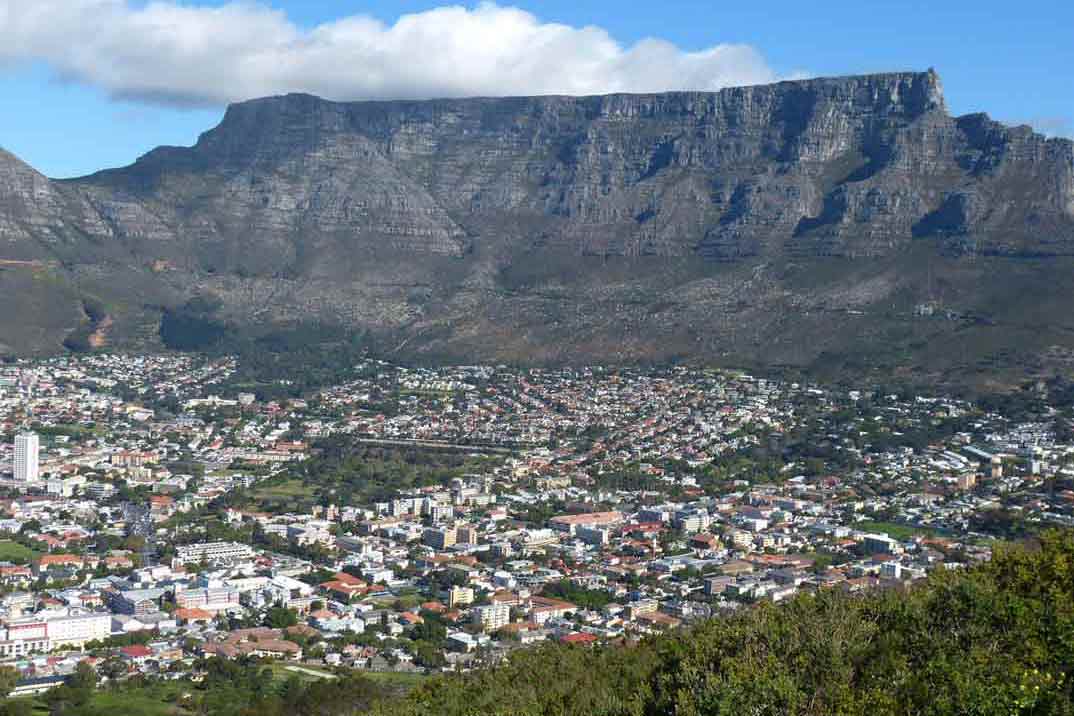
x: 686, y: 225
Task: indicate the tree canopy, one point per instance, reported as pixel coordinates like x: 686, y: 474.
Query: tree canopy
x: 994, y: 639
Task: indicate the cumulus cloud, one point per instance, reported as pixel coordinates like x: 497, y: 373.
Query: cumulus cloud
x: 172, y: 53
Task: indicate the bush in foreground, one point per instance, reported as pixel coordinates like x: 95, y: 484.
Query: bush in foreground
x: 995, y: 639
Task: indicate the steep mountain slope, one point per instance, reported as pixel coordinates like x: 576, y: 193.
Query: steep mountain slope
x: 801, y: 222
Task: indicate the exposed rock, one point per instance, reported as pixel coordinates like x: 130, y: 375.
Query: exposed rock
x: 484, y: 226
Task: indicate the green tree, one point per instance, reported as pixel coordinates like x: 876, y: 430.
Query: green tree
x: 17, y: 707
x: 83, y: 678
x: 9, y: 677
x: 280, y: 617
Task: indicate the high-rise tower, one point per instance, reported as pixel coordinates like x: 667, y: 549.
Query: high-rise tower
x: 27, y: 449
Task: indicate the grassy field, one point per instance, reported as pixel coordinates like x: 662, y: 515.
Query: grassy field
x: 15, y: 552
x: 151, y: 702
x: 894, y: 530
x: 283, y: 672
x: 281, y: 490
x: 395, y: 682
x: 410, y: 601
x: 387, y: 600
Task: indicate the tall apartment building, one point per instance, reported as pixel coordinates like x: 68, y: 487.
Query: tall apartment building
x: 136, y: 602
x: 460, y: 596
x: 492, y: 616
x: 27, y: 450
x: 440, y: 513
x: 439, y: 538
x: 593, y: 535
x: 468, y: 534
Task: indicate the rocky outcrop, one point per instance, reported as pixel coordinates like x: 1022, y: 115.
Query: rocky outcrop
x: 852, y: 166
x: 468, y: 222
x: 36, y: 212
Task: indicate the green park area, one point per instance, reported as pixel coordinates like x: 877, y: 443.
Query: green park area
x: 895, y: 530
x: 11, y: 551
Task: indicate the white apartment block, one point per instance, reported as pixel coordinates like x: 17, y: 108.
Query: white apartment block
x: 77, y: 629
x: 27, y: 453
x: 212, y: 552
x: 492, y: 616
x: 213, y: 598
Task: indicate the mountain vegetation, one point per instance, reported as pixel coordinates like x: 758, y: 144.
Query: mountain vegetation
x: 994, y: 639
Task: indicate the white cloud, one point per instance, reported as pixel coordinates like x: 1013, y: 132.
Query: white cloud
x: 167, y: 52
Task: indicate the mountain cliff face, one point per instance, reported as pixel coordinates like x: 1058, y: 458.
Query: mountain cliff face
x: 619, y: 227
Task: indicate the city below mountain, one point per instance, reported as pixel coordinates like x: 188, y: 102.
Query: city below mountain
x: 844, y: 226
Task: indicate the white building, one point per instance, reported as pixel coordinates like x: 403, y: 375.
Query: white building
x: 65, y: 487
x: 288, y: 591
x: 34, y: 634
x: 593, y: 535
x: 77, y: 629
x: 211, y: 596
x: 311, y: 532
x: 212, y: 552
x: 880, y: 544
x: 22, y: 637
x: 492, y: 616
x: 27, y: 451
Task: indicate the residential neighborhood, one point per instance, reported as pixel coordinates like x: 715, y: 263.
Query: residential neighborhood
x: 417, y: 520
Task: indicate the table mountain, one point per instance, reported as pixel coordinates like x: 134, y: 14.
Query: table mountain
x: 841, y: 223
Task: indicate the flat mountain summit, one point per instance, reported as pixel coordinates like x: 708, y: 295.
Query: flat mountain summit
x: 844, y: 224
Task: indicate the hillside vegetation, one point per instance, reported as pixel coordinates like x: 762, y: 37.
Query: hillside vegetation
x: 995, y: 639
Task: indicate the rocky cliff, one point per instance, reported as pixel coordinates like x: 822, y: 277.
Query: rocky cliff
x: 618, y: 227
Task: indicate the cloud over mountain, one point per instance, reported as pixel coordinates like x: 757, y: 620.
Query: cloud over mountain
x: 173, y: 53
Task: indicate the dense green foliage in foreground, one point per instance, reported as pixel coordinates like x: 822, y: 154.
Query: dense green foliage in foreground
x: 246, y: 687
x: 997, y: 639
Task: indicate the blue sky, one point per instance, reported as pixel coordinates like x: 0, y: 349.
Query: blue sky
x: 71, y: 111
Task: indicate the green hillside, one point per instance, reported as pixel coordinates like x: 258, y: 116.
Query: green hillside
x: 997, y: 639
